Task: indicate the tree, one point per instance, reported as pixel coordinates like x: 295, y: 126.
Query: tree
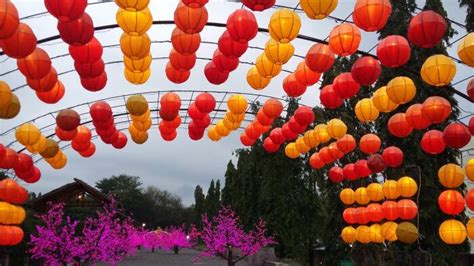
x: 212, y: 198
x: 470, y: 14
x: 227, y: 192
x: 173, y: 238
x: 225, y: 237
x: 199, y: 206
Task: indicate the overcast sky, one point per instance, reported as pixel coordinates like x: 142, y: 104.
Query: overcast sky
x: 180, y: 165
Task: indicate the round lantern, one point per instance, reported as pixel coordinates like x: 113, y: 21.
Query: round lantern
x: 21, y: 43
x: 316, y: 162
x: 9, y: 19
x: 470, y: 199
x: 346, y: 143
x: 190, y: 20
x: 9, y: 159
x: 347, y: 196
x: 426, y: 29
x: 266, y: 68
x: 375, y: 192
x: 170, y: 103
x: 375, y: 163
x: 24, y: 163
x: 470, y: 228
x: 100, y: 112
x: 382, y: 102
x: 224, y: 63
x: 349, y: 216
x: 370, y: 143
x: 470, y: 89
x: 345, y: 86
x: 92, y: 70
x: 51, y: 150
x: 456, y: 135
x: 6, y: 95
x: 392, y: 156
x: 336, y: 174
x: 205, y: 102
x: 318, y: 9
x: 451, y: 175
x: 258, y: 5
x: 349, y: 234
x: 415, y: 117
x: 349, y: 172
x: 269, y: 146
x: 363, y: 234
x: 242, y: 25
x: 401, y: 90
x: 99, y: 82
x: 255, y: 80
x: 184, y: 43
x: 407, y: 233
x: 135, y: 47
x: 284, y: 25
x: 301, y: 146
x: 272, y: 108
x: 230, y: 47
x: 389, y: 210
x: 246, y: 140
x: 136, y: 78
x: 407, y: 187
x: 371, y: 15
x: 134, y: 22
x: 77, y: 32
x: 466, y: 49
x: 366, y: 111
x: 390, y: 190
x: 452, y: 232
x: 92, y: 51
x: 195, y: 3
x: 344, y: 39
x: 374, y: 210
x: 470, y: 169
x: 388, y: 231
x: 407, y: 209
x: 27, y: 134
x: 361, y: 168
x: 310, y: 139
x: 438, y: 70
x: 291, y: 151
x: 36, y: 65
x: 121, y: 141
x: 44, y: 84
x: 137, y: 105
x: 329, y: 97
x: 471, y: 125
x: 305, y: 75
x: 366, y: 70
x: 451, y: 202
x: 279, y: 53
x: 398, y: 125
x: 393, y: 51
x: 133, y: 5
x: 361, y: 215
x: 361, y: 197
x: 336, y: 128
x: 432, y: 142
x: 89, y: 152
x: 237, y: 104
x: 374, y: 234
x: 68, y: 119
x: 304, y: 115
x: 437, y: 109
x: 319, y: 58
x: 252, y: 131
x: 183, y: 62
x: 176, y: 76
x: 292, y: 87
x: 321, y: 134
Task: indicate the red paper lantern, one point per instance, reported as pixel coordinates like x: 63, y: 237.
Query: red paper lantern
x: 392, y: 156
x: 470, y: 199
x: 190, y: 20
x: 9, y: 160
x: 66, y: 10
x: 471, y: 125
x: 36, y: 65
x: 345, y: 86
x: 393, y: 51
x: 319, y: 58
x: 292, y: 87
x: 231, y: 48
x: 242, y: 25
x: 83, y: 135
x: 121, y: 141
x: 398, y: 125
x: 370, y: 143
x: 415, y: 117
x: 194, y: 113
x: 52, y: 96
x: 361, y: 215
x: 375, y: 163
x: 371, y: 15
x: 214, y: 75
x: 432, y: 142
x: 451, y: 202
x: 361, y: 168
x: 88, y: 53
x: 184, y: 43
x: 21, y: 43
x: 2, y: 151
x: 203, y: 123
x: 174, y: 124
x: 344, y: 39
x: 349, y: 172
x: 195, y: 133
x: 304, y: 115
x: 346, y: 144
x: 305, y: 75
x: 8, y: 19
x: 166, y: 130
x: 329, y: 97
x: 295, y: 126
x: 90, y: 70
x: 182, y: 62
x: 100, y: 112
x: 269, y: 146
x: 24, y: 163
x: 176, y: 76
x: 246, y: 140
x: 390, y: 210
x: 315, y: 161
x: 470, y: 89
x: 263, y: 119
x: 349, y: 216
x: 288, y: 133
x: 89, y: 152
x: 374, y: 211
x: 334, y: 152
x: 272, y: 108
x: 426, y: 29
x: 205, y: 102
x: 276, y: 135
x: 407, y: 209
x: 325, y: 156
x: 46, y: 83
x: 224, y: 63
x: 65, y: 135
x: 456, y: 135
x: 437, y: 109
x: 258, y: 5
x: 195, y: 3
x: 366, y: 70
x: 68, y: 120
x: 253, y: 131
x: 77, y: 32
x: 95, y: 83
x: 169, y: 137
x: 170, y: 103
x: 336, y: 174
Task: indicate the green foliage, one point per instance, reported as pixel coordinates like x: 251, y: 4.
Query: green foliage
x: 199, y: 206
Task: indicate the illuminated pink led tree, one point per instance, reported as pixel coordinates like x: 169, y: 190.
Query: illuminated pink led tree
x: 173, y: 238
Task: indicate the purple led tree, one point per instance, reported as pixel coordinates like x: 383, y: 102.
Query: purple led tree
x: 224, y: 237
x: 173, y: 238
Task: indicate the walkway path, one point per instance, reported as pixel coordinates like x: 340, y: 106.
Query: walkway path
x: 168, y: 258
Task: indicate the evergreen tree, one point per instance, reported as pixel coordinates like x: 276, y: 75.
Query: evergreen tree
x: 199, y: 206
x: 227, y: 191
x: 217, y: 194
x: 469, y: 4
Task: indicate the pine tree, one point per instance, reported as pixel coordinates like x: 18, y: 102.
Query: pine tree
x: 228, y: 194
x: 199, y: 206
x: 217, y: 195
x: 469, y: 4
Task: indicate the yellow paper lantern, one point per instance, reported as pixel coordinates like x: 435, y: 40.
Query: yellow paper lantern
x: 382, y: 102
x: 134, y: 23
x: 142, y: 118
x: 466, y: 49
x: 361, y: 196
x: 284, y: 25
x: 407, y: 187
x: 407, y: 233
x: 12, y: 109
x: 470, y: 169
x: 451, y: 175
x: 135, y: 132
x: 237, y: 104
x: 390, y: 190
x: 231, y: 125
x: 388, y: 231
x: 235, y: 118
x: 401, y: 90
x: 363, y: 234
x: 470, y: 228
x: 212, y: 134
x: 375, y: 234
x: 137, y: 105
x: 133, y: 5
x: 366, y: 111
x: 143, y: 126
x: 221, y: 129
x: 255, y: 80
x: 375, y: 192
x: 336, y: 128
x: 137, y: 78
x: 27, y: 134
x: 349, y: 234
x: 301, y: 145
x: 438, y: 70
x: 266, y: 68
x: 310, y: 139
x: 321, y: 133
x: 347, y: 196
x: 56, y: 158
x: 318, y: 9
x: 140, y: 138
x: 39, y: 146
x: 291, y: 151
x: 452, y: 232
x: 135, y: 47
x: 138, y: 65
x: 11, y: 214
x: 61, y: 163
x: 279, y: 53
x: 5, y: 95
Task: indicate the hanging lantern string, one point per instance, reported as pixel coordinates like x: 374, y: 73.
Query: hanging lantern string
x: 296, y: 7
